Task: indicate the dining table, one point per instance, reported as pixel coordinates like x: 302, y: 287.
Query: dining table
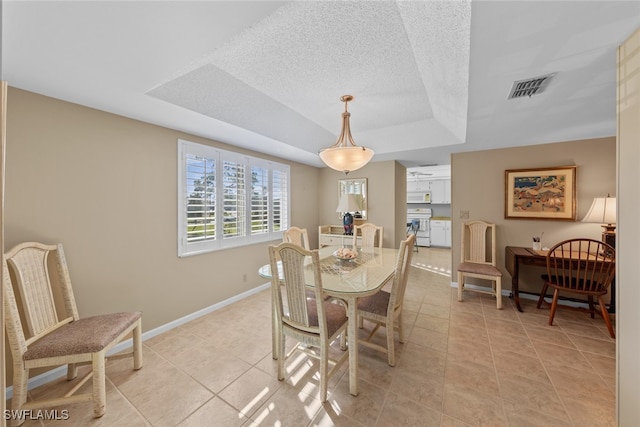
x: 346, y: 280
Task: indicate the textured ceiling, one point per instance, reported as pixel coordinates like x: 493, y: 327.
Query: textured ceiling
x: 290, y: 68
x: 429, y: 77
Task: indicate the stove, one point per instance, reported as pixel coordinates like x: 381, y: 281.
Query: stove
x: 421, y: 216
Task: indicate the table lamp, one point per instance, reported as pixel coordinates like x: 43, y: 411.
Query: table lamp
x: 348, y: 203
x: 603, y: 211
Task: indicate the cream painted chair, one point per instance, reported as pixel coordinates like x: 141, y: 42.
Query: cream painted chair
x: 385, y: 308
x: 477, y: 261
x: 298, y: 236
x: 312, y: 321
x: 369, y: 232
x: 46, y: 340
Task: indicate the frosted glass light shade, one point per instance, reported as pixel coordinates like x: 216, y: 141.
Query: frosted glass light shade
x: 345, y: 155
x: 346, y: 159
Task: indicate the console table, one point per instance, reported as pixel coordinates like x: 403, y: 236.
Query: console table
x: 516, y: 256
x: 333, y: 235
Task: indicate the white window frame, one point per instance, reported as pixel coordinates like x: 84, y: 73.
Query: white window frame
x: 219, y: 242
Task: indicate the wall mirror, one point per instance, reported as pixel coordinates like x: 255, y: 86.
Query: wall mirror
x: 357, y: 187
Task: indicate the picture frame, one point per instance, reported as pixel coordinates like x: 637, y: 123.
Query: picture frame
x: 541, y: 193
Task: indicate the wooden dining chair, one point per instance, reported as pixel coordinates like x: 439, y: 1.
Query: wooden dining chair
x: 478, y: 259
x: 385, y: 308
x: 298, y: 236
x: 45, y: 339
x: 583, y: 267
x: 369, y: 233
x: 312, y: 321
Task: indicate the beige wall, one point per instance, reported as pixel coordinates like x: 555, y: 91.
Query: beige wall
x: 386, y: 188
x: 628, y: 317
x: 105, y: 187
x: 478, y: 186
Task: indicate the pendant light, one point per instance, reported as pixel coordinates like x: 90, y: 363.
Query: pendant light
x: 345, y: 155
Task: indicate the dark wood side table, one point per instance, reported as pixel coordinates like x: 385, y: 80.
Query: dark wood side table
x: 516, y: 256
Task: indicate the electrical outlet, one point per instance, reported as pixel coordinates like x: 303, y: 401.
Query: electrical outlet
x: 464, y: 214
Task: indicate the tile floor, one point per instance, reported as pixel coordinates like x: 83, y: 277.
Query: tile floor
x: 462, y: 364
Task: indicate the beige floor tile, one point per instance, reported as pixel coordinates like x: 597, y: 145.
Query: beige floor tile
x: 605, y: 366
x: 524, y: 394
x: 287, y: 407
x: 364, y: 408
x: 509, y: 364
x: 549, y: 334
x: 520, y: 416
x: 501, y: 341
x: 473, y: 407
x: 399, y: 411
x: 250, y: 391
x: 591, y: 345
x: 215, y: 412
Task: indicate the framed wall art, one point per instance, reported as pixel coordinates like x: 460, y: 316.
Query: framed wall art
x: 543, y: 193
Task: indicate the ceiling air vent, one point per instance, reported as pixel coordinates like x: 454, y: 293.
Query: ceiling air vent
x: 530, y: 87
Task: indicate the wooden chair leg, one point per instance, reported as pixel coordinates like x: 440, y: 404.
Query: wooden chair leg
x: 280, y: 354
x: 605, y: 315
x: 137, y: 346
x: 592, y: 308
x: 72, y: 371
x: 324, y: 369
x: 391, y: 351
x: 20, y: 378
x: 499, y: 293
x: 554, y: 305
x: 343, y: 341
x: 460, y: 286
x: 99, y: 386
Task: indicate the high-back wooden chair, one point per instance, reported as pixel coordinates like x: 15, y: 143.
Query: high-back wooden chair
x: 47, y: 339
x: 580, y: 266
x: 298, y: 236
x: 385, y: 308
x: 312, y: 321
x: 478, y: 259
x: 369, y: 233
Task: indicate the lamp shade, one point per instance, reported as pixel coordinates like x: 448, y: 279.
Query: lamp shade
x: 348, y: 203
x: 602, y: 211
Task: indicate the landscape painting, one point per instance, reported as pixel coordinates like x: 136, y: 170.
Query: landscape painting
x: 543, y: 193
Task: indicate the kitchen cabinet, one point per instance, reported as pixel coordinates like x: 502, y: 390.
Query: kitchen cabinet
x: 440, y: 233
x: 418, y: 185
x: 440, y: 189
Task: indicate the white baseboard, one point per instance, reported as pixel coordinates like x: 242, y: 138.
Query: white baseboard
x: 507, y: 293
x: 61, y: 371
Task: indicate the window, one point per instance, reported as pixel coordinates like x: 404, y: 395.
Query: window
x: 227, y: 199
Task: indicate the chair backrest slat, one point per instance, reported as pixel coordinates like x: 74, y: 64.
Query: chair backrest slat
x: 291, y: 277
x: 475, y: 246
x: 368, y: 232
x: 298, y: 236
x: 32, y: 280
x: 403, y: 264
x: 582, y: 265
